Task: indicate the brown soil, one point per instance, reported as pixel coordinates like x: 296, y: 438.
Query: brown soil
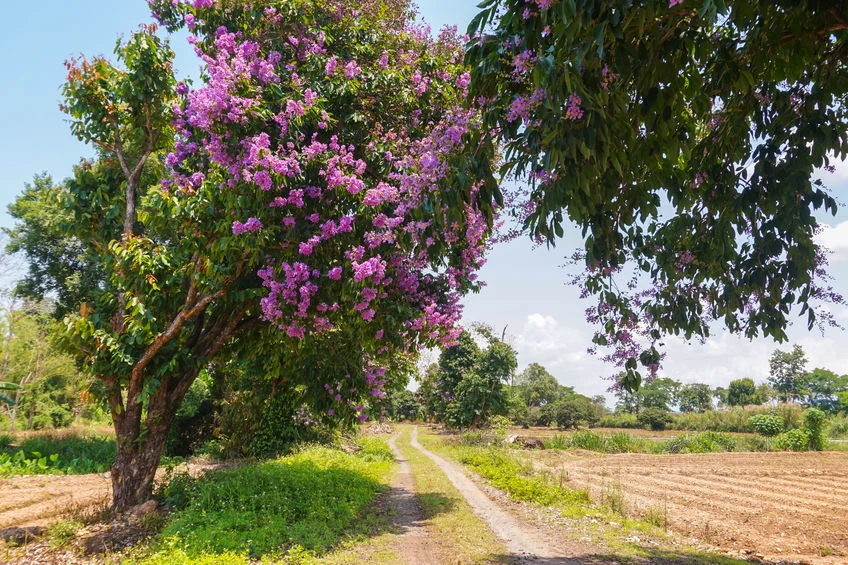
x: 42, y: 499
x: 783, y: 506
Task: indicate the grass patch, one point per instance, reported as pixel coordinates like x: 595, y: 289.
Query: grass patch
x: 63, y: 532
x: 60, y: 454
x: 701, y: 442
x: 293, y: 508
x: 619, y: 442
x: 517, y: 479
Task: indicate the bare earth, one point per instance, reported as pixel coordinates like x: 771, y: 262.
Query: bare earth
x: 41, y: 499
x: 415, y: 543
x: 791, y: 506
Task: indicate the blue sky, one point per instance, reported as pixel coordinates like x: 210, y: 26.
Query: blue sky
x: 526, y: 289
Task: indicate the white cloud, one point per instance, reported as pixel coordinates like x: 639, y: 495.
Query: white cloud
x: 835, y: 238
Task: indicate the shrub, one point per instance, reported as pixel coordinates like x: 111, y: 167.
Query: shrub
x: 793, y: 440
x: 767, y: 425
x: 813, y: 422
x: 654, y: 418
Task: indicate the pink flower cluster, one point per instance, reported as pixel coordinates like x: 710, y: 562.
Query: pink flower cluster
x: 362, y: 230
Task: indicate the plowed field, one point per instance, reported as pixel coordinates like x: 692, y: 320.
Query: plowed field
x: 781, y: 505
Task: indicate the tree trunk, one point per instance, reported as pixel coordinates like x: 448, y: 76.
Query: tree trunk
x: 135, y: 467
x: 140, y: 447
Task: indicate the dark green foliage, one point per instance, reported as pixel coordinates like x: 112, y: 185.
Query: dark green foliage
x: 742, y: 392
x: 695, y: 153
x: 654, y: 418
x: 793, y: 440
x: 694, y: 397
x: 537, y: 386
x: 575, y: 410
x: 59, y: 264
x: 403, y: 406
x: 822, y: 388
x: 467, y: 388
x: 767, y: 425
x: 659, y: 394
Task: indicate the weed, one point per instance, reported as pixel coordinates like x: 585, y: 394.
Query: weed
x: 825, y: 551
x: 152, y: 522
x: 374, y: 449
x: 657, y: 515
x: 58, y: 454
x: 612, y: 496
x: 61, y: 533
x: 837, y: 427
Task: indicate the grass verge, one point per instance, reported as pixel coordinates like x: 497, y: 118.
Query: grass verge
x: 290, y: 510
x: 604, y: 523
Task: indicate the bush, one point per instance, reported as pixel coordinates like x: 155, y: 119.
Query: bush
x: 654, y: 418
x: 793, y: 440
x: 813, y: 422
x: 767, y: 425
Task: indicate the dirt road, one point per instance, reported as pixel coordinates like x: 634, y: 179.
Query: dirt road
x: 527, y: 547
x: 414, y: 540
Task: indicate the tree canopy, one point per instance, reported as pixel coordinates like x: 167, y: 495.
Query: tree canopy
x: 312, y: 205
x: 685, y: 139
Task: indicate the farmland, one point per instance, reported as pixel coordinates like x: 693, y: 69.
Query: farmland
x: 778, y: 505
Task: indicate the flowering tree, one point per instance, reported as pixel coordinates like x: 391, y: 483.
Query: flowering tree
x: 683, y: 137
x: 313, y: 203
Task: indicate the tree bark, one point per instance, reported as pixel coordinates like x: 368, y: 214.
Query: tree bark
x: 140, y: 447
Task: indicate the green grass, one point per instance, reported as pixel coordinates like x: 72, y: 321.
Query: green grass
x: 292, y: 508
x: 619, y: 442
x: 701, y: 442
x: 58, y: 454
x: 517, y: 479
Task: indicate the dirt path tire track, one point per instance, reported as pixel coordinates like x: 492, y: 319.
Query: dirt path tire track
x: 527, y: 547
x: 414, y: 544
